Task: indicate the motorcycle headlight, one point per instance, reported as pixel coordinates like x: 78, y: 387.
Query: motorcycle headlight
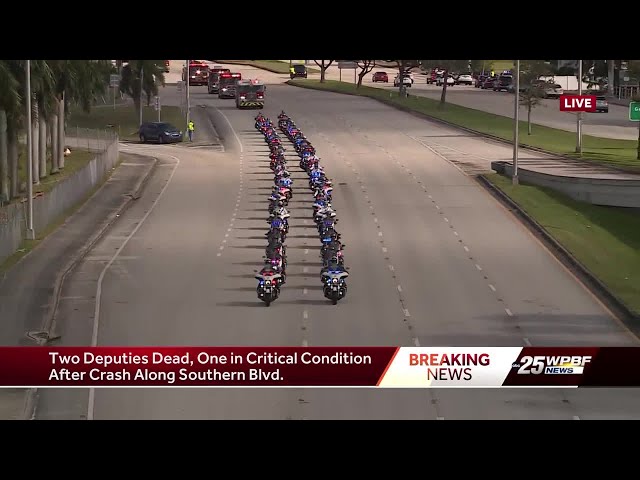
x: 268, y: 282
x: 335, y: 280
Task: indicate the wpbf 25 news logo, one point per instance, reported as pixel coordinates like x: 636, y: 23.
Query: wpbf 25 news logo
x: 552, y: 364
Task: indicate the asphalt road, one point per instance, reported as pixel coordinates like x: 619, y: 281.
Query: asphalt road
x: 614, y: 124
x: 434, y: 261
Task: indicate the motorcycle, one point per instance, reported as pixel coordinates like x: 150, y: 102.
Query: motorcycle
x: 268, y: 289
x: 334, y: 285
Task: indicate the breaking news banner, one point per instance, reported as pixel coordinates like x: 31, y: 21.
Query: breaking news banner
x: 340, y: 367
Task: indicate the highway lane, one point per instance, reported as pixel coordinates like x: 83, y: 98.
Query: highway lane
x: 175, y: 284
x: 502, y: 289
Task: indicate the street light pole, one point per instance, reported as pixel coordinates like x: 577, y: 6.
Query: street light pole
x: 516, y: 125
x: 141, y: 89
x: 30, y: 232
x: 186, y: 78
x: 579, y: 125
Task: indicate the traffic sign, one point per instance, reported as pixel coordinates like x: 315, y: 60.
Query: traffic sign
x: 343, y: 65
x: 114, y: 80
x: 634, y: 111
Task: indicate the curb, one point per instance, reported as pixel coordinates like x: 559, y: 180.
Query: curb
x: 628, y: 317
x: 31, y: 400
x: 480, y: 134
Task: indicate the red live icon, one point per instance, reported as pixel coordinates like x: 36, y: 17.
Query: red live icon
x: 577, y: 103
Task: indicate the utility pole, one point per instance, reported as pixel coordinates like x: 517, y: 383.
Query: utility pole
x: 141, y: 89
x: 187, y: 75
x: 579, y: 125
x: 30, y: 231
x: 516, y: 125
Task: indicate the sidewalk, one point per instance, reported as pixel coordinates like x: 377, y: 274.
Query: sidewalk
x: 28, y: 288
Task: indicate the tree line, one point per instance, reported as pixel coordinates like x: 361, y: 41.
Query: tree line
x: 56, y: 86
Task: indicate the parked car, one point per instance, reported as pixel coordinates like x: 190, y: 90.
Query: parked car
x: 602, y: 104
x: 488, y: 83
x: 502, y: 83
x: 440, y: 80
x: 406, y: 81
x: 380, y: 77
x: 160, y: 132
x: 464, y: 79
x: 479, y: 80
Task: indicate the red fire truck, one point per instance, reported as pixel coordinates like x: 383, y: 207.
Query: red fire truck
x: 198, y: 73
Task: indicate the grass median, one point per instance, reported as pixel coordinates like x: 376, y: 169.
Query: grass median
x: 617, y: 153
x: 606, y: 240
x: 274, y: 66
x: 124, y: 119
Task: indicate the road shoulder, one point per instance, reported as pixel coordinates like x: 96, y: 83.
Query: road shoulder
x: 29, y: 291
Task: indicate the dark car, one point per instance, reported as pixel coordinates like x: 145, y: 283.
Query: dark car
x: 299, y: 71
x: 503, y: 83
x: 380, y: 77
x: 214, y: 79
x: 488, y: 83
x: 479, y: 80
x: 160, y: 132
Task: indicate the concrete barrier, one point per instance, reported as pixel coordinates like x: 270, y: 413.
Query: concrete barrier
x: 597, y: 191
x: 49, y: 207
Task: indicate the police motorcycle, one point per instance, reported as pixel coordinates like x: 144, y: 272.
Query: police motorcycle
x: 283, y: 215
x: 334, y: 281
x: 269, y: 281
x: 277, y: 229
x: 327, y: 225
x: 276, y: 202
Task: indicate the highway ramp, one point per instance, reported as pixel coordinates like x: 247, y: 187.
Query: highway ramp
x: 434, y: 261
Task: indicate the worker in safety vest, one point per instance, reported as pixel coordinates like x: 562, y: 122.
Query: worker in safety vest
x: 191, y: 128
x: 292, y: 70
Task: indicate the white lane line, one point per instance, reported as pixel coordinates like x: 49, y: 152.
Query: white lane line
x: 371, y: 207
x: 446, y: 219
x: 305, y: 269
x: 379, y: 234
x: 466, y: 249
x: 416, y: 342
x: 224, y: 241
x: 218, y: 255
x: 455, y: 233
x: 305, y: 314
x: 438, y: 207
x: 305, y: 343
x: 221, y: 247
x: 429, y: 196
x: 306, y: 251
x: 478, y: 267
x: 384, y: 249
x: 399, y: 288
x: 366, y: 197
x: 492, y: 287
x: 231, y: 127
x: 304, y: 291
x: 375, y: 219
x: 406, y: 312
x: 226, y: 235
x: 228, y: 229
x: 96, y: 313
x: 439, y: 418
x: 526, y: 341
x: 576, y: 417
x: 509, y: 312
x: 391, y: 268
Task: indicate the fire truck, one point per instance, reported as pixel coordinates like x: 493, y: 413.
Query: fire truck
x: 198, y: 73
x: 227, y: 84
x: 250, y: 93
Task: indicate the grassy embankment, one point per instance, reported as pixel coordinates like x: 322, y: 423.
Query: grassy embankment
x: 605, y: 240
x: 124, y: 119
x: 618, y: 153
x: 274, y: 66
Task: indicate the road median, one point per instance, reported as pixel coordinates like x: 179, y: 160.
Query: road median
x: 599, y: 244
x: 618, y: 154
x: 273, y: 66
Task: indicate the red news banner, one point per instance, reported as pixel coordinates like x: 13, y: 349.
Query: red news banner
x: 341, y: 367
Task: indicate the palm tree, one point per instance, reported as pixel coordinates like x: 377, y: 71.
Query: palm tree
x: 43, y: 86
x: 9, y: 103
x: 148, y: 74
